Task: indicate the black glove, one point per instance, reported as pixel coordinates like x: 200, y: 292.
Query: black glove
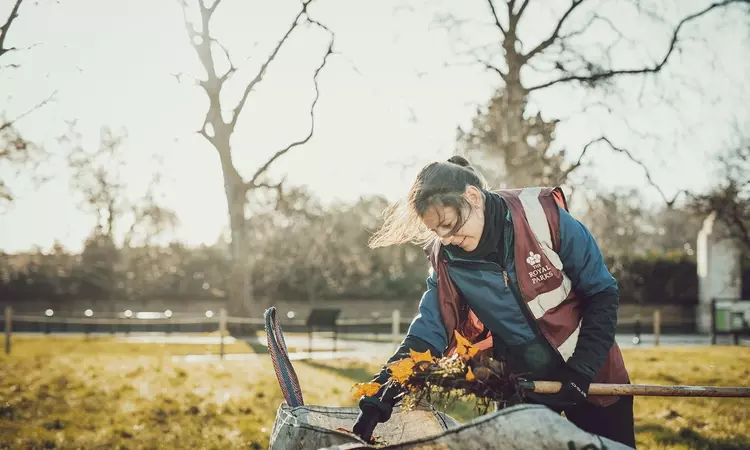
x: 367, y: 420
x: 574, y: 391
x: 376, y: 409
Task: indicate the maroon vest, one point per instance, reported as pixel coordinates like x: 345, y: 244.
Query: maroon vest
x: 544, y: 286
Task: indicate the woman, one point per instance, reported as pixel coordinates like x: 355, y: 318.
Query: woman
x: 522, y: 279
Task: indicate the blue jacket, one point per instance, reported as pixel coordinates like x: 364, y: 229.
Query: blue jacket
x: 495, y: 303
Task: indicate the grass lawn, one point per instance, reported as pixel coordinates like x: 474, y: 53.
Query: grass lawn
x: 101, y: 393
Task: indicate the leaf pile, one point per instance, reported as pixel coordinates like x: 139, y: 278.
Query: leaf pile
x: 444, y: 380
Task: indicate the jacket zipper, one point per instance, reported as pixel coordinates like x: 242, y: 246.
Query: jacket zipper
x: 525, y: 310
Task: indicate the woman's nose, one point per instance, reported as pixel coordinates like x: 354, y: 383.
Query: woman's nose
x: 446, y: 240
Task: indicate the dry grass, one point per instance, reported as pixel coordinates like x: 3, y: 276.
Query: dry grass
x: 692, y: 423
x: 661, y: 422
x: 70, y: 393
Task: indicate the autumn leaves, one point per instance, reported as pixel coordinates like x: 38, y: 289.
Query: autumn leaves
x: 404, y: 370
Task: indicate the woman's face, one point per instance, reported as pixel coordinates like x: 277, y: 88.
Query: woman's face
x: 443, y: 220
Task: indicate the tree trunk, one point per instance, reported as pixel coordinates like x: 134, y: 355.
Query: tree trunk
x: 516, y: 98
x: 240, y: 283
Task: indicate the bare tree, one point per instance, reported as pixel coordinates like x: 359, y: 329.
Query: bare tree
x: 486, y: 143
x: 101, y: 179
x: 562, y: 57
x: 730, y: 199
x: 15, y: 151
x: 218, y: 131
x: 6, y: 27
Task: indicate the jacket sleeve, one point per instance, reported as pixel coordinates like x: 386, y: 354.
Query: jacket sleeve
x: 426, y: 332
x: 591, y: 281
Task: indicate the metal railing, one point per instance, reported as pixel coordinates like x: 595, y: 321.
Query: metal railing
x: 383, y: 329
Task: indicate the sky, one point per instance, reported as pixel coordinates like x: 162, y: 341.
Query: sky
x: 390, y: 100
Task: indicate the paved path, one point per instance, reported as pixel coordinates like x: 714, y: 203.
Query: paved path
x: 365, y: 347
x: 368, y: 350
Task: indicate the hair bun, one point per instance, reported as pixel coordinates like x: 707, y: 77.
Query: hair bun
x: 460, y: 161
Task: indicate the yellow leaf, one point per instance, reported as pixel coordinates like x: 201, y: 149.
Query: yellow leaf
x: 366, y: 389
x: 402, y: 369
x: 464, y: 348
x: 470, y: 375
x: 419, y: 357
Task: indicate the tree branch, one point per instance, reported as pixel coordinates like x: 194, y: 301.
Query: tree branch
x: 643, y: 166
x: 497, y: 19
x: 604, y: 75
x: 569, y: 170
x: 489, y: 66
x: 514, y: 18
x: 10, y: 123
x: 262, y: 72
x: 522, y: 9
x: 555, y: 34
x: 284, y: 150
x: 740, y: 224
x: 179, y: 75
x: 4, y: 29
x: 211, y: 9
x: 232, y: 69
x: 202, y: 48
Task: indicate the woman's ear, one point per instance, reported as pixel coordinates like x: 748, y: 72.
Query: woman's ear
x: 475, y: 197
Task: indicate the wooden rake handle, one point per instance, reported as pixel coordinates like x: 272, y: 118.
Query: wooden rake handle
x: 652, y: 390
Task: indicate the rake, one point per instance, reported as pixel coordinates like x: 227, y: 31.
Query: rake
x: 649, y: 390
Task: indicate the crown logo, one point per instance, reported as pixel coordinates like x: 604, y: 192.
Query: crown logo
x: 533, y: 259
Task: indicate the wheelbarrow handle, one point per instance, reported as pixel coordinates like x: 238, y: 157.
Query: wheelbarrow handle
x: 652, y: 390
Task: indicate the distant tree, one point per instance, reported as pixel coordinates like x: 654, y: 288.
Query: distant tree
x: 730, y: 198
x: 15, y: 151
x: 581, y: 48
x: 317, y: 254
x: 508, y: 164
x: 99, y: 177
x: 97, y: 269
x: 220, y: 123
x: 618, y: 221
x: 623, y: 224
x: 173, y: 270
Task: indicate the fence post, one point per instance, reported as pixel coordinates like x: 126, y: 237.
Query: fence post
x: 637, y: 330
x: 222, y: 330
x: 396, y: 325
x: 8, y: 328
x: 335, y: 336
x: 657, y: 327
x: 713, y: 321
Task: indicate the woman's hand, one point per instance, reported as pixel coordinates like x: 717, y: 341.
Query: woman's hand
x: 574, y: 391
x: 376, y: 409
x: 367, y: 420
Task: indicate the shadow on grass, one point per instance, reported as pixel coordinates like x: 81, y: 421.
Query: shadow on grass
x: 254, y: 343
x: 354, y: 371
x: 692, y: 438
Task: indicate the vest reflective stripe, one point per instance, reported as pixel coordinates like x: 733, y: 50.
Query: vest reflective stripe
x: 567, y: 348
x: 548, y: 300
x: 543, y: 302
x: 539, y: 225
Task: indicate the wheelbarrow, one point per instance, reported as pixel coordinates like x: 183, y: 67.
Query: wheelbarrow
x: 314, y: 427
